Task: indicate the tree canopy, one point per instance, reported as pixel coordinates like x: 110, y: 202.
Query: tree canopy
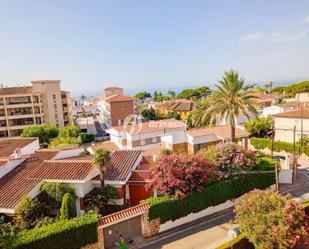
x: 194, y: 94
x: 291, y: 90
x: 142, y: 95
x: 259, y: 127
x: 44, y: 132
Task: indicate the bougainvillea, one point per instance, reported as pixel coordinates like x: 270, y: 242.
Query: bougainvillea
x: 271, y: 220
x: 178, y: 175
x: 229, y: 157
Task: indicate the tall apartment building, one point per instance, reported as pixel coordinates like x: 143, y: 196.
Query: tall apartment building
x: 114, y: 106
x: 43, y: 102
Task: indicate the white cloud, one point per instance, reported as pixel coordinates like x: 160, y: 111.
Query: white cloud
x: 306, y: 19
x: 253, y: 36
x: 274, y: 37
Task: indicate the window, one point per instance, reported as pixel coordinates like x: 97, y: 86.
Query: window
x: 142, y: 142
x: 55, y: 106
x: 54, y: 96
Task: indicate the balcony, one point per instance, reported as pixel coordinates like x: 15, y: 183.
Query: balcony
x: 65, y: 109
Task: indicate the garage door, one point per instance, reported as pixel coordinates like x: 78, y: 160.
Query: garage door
x: 131, y: 230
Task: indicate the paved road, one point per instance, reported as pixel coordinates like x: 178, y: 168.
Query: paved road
x: 187, y: 230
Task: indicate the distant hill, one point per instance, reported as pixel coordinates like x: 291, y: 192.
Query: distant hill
x: 291, y: 90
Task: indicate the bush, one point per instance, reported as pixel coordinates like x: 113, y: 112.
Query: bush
x: 219, y: 192
x: 87, y: 138
x: 240, y: 242
x: 259, y: 127
x: 68, y: 207
x: 264, y: 162
x: 71, y: 234
x: 229, y: 157
x: 53, y: 193
x: 28, y: 212
x: 271, y: 220
x: 65, y: 142
x: 178, y: 175
x: 263, y: 143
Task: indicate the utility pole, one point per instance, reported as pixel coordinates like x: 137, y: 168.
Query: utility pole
x: 301, y: 129
x: 272, y: 138
x: 294, y: 156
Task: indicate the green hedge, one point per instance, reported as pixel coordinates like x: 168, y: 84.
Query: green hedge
x: 263, y: 143
x: 240, y: 242
x: 219, y: 192
x: 64, y: 234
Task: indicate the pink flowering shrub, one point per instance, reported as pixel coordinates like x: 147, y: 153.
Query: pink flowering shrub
x: 230, y: 156
x: 271, y: 221
x: 178, y: 175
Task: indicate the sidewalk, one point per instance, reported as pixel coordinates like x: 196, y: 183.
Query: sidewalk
x: 208, y: 239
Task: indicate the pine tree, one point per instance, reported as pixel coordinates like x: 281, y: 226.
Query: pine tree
x: 68, y: 207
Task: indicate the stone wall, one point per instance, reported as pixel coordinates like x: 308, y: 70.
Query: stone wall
x: 149, y: 228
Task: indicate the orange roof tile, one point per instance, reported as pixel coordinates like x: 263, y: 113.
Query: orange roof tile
x: 108, y: 145
x: 124, y: 214
x: 222, y: 132
x: 3, y: 162
x: 304, y: 112
x: 16, y: 184
x: 16, y: 90
x: 9, y: 145
x: 113, y: 88
x: 62, y: 170
x: 140, y: 176
x: 118, y: 98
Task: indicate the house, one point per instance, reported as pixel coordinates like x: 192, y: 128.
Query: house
x: 265, y: 100
x: 86, y: 125
x: 114, y: 107
x: 42, y: 102
x: 283, y: 107
x: 140, y: 135
x: 193, y: 140
x: 181, y: 107
x: 23, y: 172
x: 285, y: 122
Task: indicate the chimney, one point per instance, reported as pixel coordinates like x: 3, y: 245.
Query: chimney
x: 17, y: 153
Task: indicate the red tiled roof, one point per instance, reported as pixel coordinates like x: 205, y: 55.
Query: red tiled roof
x: 133, y: 211
x: 3, y: 162
x: 108, y: 145
x: 16, y: 184
x: 178, y: 105
x: 222, y: 132
x: 62, y: 170
x: 8, y: 145
x: 16, y: 90
x: 304, y: 112
x: 118, y: 97
x: 122, y: 164
x: 140, y: 176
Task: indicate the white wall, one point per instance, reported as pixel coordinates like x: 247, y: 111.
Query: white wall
x: 30, y: 148
x: 68, y: 153
x: 284, y: 129
x: 9, y: 166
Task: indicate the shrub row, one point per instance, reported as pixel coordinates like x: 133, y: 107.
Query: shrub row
x: 240, y: 242
x: 263, y: 143
x: 64, y: 234
x: 219, y: 192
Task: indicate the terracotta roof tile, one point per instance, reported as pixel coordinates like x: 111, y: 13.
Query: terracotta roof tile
x: 8, y: 145
x: 118, y: 98
x: 177, y: 105
x: 124, y: 214
x: 294, y: 114
x: 108, y: 145
x: 113, y: 88
x: 140, y: 176
x: 123, y: 162
x: 16, y: 90
x: 16, y: 184
x: 222, y: 132
x: 62, y: 170
x: 3, y: 162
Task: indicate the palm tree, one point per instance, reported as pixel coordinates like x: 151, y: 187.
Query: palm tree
x: 83, y: 98
x: 102, y: 160
x: 199, y: 117
x: 231, y: 98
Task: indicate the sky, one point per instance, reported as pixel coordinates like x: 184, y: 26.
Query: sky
x: 149, y: 44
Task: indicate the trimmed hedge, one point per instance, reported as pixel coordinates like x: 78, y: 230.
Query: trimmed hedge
x: 240, y: 242
x: 219, y: 192
x: 263, y: 143
x: 71, y: 234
